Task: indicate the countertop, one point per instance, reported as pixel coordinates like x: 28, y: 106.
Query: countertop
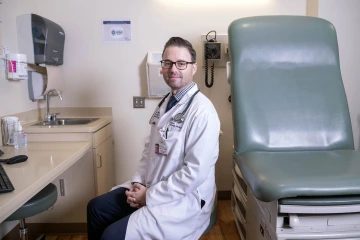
x: 47, y: 160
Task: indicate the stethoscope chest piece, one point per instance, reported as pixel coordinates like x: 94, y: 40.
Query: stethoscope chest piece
x: 179, y: 118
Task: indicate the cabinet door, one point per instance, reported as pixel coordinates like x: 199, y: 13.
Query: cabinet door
x: 79, y: 190
x: 104, y: 166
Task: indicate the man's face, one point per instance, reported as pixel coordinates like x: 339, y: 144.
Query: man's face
x: 175, y: 78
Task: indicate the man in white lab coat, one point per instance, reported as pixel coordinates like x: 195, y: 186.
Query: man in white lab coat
x: 172, y: 193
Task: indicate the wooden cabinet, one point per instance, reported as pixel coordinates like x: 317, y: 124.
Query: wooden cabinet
x: 90, y: 176
x: 104, y: 167
x: 79, y: 190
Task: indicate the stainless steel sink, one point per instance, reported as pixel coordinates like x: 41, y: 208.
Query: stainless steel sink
x: 67, y: 121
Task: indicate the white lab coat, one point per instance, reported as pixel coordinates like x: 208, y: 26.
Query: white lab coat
x: 179, y: 181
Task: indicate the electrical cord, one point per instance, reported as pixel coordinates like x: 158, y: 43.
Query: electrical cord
x: 206, y: 71
x: 209, y: 85
x: 213, y: 39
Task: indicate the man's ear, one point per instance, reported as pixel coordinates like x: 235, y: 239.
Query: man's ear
x: 194, y: 68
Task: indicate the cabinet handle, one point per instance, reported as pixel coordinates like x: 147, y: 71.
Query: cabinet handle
x: 100, y: 160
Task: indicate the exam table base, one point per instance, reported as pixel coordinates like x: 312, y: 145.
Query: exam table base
x: 257, y: 220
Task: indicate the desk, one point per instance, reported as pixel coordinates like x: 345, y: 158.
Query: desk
x: 47, y: 160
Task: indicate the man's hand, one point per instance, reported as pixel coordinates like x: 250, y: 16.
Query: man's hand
x: 136, y: 195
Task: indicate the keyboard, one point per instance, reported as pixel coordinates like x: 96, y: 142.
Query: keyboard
x: 5, y: 183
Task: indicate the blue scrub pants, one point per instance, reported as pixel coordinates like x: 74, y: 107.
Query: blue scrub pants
x: 108, y: 216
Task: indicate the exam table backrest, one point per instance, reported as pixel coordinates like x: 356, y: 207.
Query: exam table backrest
x: 286, y: 85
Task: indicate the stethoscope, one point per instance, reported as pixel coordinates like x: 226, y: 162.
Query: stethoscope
x: 178, y: 117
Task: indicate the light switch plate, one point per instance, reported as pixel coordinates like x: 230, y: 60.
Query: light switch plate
x: 139, y: 102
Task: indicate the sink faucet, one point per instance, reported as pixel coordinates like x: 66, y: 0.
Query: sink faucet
x: 50, y: 117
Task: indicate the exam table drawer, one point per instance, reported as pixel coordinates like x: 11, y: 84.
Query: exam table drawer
x: 238, y: 176
x: 239, y: 219
x: 240, y: 184
x: 239, y: 196
x: 238, y: 200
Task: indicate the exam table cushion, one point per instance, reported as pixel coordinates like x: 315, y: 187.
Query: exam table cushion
x: 41, y: 202
x: 280, y: 175
x: 286, y: 88
x: 292, y: 129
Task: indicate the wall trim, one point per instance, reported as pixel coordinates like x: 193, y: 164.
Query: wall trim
x: 224, y: 195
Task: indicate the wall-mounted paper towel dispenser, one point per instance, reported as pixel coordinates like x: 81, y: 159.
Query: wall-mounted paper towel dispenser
x: 40, y: 39
x: 157, y: 87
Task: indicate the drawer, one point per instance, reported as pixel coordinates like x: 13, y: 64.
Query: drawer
x: 101, y: 135
x: 240, y: 178
x: 240, y: 204
x: 240, y: 183
x: 240, y: 222
x: 239, y: 194
x: 237, y: 170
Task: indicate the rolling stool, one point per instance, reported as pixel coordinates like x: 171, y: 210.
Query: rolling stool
x: 41, y: 202
x: 213, y: 217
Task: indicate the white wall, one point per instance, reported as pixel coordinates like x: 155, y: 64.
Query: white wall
x: 346, y: 19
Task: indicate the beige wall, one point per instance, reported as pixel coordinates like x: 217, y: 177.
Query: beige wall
x: 312, y: 8
x: 97, y: 74
x: 13, y: 94
x: 346, y: 20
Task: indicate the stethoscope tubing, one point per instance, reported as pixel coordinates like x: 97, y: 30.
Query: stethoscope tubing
x: 180, y: 118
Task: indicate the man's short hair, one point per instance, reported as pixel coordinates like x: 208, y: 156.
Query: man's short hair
x: 180, y: 42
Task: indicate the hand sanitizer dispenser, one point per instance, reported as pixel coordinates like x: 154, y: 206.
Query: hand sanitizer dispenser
x: 40, y: 39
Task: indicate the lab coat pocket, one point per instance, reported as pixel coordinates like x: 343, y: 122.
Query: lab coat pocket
x: 171, y: 143
x: 176, y: 209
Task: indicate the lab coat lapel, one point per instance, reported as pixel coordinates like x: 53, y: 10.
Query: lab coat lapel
x: 166, y: 116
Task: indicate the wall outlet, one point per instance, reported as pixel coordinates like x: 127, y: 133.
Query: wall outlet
x: 224, y: 58
x: 139, y: 102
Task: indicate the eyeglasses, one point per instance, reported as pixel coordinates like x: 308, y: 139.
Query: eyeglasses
x: 181, y: 65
